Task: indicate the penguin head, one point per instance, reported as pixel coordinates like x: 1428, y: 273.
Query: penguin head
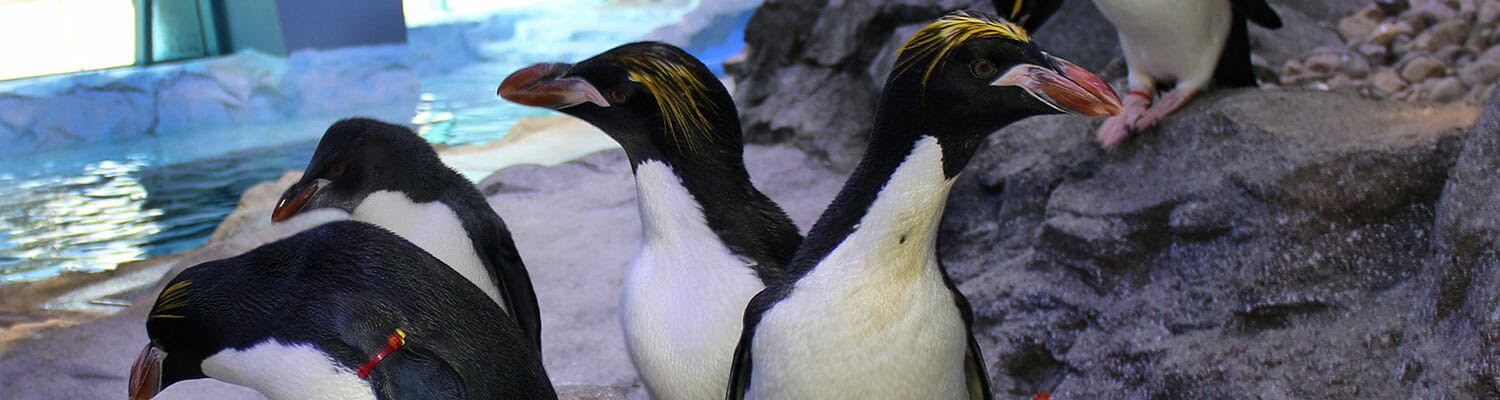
x: 357, y: 157
x: 965, y: 76
x: 651, y: 97
x: 185, y: 328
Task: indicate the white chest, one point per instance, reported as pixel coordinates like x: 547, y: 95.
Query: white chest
x: 874, y: 318
x: 283, y: 372
x: 435, y: 228
x: 1170, y: 39
x: 685, y: 294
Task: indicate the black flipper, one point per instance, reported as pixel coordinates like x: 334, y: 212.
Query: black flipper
x: 1257, y: 11
x: 1030, y: 14
x: 739, y: 371
x: 975, y: 374
x: 514, y: 283
x: 977, y: 377
x: 1234, y: 69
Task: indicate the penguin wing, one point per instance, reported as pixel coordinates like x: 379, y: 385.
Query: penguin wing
x: 416, y: 373
x: 975, y: 374
x: 739, y: 372
x: 1031, y: 14
x: 1257, y: 11
x: 1235, y: 69
x: 510, y: 275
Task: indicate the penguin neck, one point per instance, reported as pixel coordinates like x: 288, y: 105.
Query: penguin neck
x: 689, y: 196
x: 895, y: 197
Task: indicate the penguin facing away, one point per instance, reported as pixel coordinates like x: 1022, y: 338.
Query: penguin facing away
x: 866, y: 310
x: 711, y: 240
x: 1184, y: 45
x: 387, y: 175
x: 343, y: 310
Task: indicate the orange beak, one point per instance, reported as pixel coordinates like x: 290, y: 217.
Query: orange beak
x: 1069, y: 88
x: 542, y: 85
x: 145, y: 374
x: 291, y: 203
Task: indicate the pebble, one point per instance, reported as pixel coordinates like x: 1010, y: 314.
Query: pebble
x: 1383, y: 33
x: 1448, y: 33
x: 1422, y: 67
x: 1479, y: 73
x: 1428, y: 50
x: 1355, y: 26
x: 1489, y: 13
x: 1446, y: 90
x: 1387, y: 81
x: 1323, y: 63
x: 1493, y: 54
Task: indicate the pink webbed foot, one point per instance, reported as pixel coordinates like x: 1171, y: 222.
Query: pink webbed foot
x: 1174, y: 100
x: 1116, y: 128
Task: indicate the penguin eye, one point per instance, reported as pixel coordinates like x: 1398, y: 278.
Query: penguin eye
x: 983, y: 68
x: 337, y: 171
x: 621, y: 93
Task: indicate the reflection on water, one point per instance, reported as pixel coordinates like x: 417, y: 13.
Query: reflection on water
x: 86, y: 222
x: 93, y: 215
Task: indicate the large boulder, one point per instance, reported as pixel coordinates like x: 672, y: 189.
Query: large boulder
x: 1247, y: 247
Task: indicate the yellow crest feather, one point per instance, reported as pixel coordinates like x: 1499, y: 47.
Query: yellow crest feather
x: 172, y: 297
x: 681, y: 96
x: 934, y: 41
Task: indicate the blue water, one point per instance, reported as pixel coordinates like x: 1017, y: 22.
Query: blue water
x: 93, y: 207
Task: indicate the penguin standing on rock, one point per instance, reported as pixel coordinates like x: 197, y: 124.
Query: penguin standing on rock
x: 710, y: 239
x: 344, y: 310
x: 386, y: 175
x: 867, y: 311
x: 1183, y: 44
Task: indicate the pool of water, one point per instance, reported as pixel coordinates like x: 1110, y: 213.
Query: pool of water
x: 91, y: 208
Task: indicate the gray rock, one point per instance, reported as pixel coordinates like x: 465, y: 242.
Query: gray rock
x: 1422, y: 67
x: 1456, y: 296
x: 1247, y: 243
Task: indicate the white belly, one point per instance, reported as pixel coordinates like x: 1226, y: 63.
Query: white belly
x: 287, y: 372
x: 433, y: 227
x: 684, y: 296
x: 1170, y: 39
x: 874, y: 318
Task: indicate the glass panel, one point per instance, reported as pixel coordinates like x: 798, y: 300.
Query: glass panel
x: 176, y: 30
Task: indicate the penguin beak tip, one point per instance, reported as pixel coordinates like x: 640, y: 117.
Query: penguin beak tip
x: 292, y: 201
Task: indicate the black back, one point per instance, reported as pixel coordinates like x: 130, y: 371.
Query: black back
x: 699, y: 138
x: 343, y: 288
x: 361, y: 156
